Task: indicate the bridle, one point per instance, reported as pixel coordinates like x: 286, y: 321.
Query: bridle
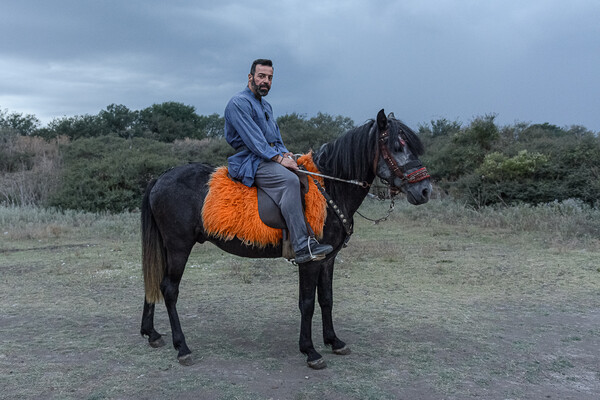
x: 419, y: 174
x: 416, y: 176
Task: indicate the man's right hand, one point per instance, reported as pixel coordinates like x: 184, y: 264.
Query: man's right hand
x: 290, y: 163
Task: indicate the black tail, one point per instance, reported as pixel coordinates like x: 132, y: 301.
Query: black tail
x: 153, y: 252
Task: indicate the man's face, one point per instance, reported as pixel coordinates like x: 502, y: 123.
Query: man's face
x: 260, y: 83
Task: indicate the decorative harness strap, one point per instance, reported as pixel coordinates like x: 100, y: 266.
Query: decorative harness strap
x: 415, y: 176
x: 348, y: 226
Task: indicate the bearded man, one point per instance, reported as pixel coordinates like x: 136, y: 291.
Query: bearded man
x: 263, y: 160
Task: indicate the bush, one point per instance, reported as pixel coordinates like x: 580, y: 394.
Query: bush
x: 498, y: 167
x: 110, y: 173
x: 214, y: 151
x: 28, y: 168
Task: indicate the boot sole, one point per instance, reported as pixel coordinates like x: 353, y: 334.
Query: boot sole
x: 316, y: 257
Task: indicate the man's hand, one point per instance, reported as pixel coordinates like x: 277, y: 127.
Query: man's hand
x: 289, y: 162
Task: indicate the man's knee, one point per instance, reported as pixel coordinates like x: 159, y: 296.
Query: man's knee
x: 292, y: 186
x: 292, y: 179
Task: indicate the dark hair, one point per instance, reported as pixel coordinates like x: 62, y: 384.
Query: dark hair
x: 260, y: 61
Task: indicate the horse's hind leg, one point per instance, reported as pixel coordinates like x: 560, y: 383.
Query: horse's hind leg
x: 154, y: 338
x: 176, y: 260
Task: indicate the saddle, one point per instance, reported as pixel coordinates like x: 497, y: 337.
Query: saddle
x: 232, y: 209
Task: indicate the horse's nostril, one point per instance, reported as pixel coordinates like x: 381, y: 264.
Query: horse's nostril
x: 425, y: 193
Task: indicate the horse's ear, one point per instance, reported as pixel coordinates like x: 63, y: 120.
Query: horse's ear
x: 381, y: 120
x: 391, y: 116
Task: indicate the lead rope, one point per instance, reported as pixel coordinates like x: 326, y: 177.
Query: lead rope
x: 378, y: 196
x: 385, y: 218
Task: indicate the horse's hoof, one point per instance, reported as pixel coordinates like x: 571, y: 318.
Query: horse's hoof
x: 157, y: 343
x: 344, y: 351
x: 317, y: 364
x: 186, y: 360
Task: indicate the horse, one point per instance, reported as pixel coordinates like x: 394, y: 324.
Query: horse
x: 171, y: 224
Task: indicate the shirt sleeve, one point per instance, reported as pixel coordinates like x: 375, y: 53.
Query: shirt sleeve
x: 239, y: 113
x: 285, y: 150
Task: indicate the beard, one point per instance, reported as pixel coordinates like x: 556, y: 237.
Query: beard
x: 261, y: 90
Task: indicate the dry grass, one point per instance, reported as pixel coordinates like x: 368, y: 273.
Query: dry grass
x: 435, y: 303
x: 32, y: 186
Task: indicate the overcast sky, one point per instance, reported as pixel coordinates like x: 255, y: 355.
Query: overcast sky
x: 524, y: 60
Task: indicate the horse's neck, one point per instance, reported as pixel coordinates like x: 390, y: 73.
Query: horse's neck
x: 348, y: 196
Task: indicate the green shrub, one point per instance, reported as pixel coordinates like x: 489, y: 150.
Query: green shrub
x: 498, y: 167
x: 110, y: 173
x: 212, y: 151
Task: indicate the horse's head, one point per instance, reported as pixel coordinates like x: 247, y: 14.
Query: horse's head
x: 397, y: 160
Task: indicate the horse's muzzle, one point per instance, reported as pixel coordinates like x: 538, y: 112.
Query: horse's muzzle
x: 419, y: 193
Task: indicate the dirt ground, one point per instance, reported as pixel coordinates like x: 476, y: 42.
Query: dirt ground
x: 466, y: 315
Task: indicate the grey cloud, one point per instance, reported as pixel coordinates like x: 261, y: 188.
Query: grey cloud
x: 530, y: 61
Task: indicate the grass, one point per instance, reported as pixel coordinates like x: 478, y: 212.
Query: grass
x: 440, y: 301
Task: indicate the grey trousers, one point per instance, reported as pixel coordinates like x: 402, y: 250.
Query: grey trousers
x: 283, y: 186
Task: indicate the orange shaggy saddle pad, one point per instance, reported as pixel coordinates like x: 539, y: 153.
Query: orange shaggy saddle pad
x: 231, y: 209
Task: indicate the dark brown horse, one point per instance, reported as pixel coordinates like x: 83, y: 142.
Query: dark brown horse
x: 172, y: 224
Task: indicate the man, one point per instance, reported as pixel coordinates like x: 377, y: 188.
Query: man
x: 263, y: 160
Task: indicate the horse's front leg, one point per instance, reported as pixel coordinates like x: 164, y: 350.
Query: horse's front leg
x: 325, y: 290
x: 308, y: 277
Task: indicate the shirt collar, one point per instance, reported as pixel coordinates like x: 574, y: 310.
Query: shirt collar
x: 251, y: 94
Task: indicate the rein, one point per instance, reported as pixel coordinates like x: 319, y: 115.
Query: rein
x: 362, y: 184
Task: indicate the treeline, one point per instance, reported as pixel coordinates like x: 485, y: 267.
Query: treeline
x: 484, y: 164
x: 104, y: 161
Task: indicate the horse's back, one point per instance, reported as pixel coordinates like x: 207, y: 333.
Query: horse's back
x: 189, y: 177
x: 177, y: 197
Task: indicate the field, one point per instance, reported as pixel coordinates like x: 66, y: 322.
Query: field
x: 438, y: 302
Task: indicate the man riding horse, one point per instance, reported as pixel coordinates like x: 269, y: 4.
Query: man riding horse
x: 177, y: 206
x: 263, y: 160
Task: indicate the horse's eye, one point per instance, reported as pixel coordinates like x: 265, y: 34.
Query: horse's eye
x: 402, y: 144
x: 399, y: 145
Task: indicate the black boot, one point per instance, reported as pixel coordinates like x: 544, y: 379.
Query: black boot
x: 312, y: 252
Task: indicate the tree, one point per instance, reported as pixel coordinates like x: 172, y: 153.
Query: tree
x: 118, y: 119
x: 213, y: 126
x: 440, y: 127
x: 467, y: 147
x: 301, y: 135
x: 168, y: 121
x: 23, y: 124
x: 77, y: 127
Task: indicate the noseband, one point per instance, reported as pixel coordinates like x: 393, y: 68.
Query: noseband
x: 416, y: 176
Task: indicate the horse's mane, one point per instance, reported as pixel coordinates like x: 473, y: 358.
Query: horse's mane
x: 351, y: 156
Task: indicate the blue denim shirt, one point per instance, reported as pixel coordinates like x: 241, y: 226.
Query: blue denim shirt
x: 251, y: 129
